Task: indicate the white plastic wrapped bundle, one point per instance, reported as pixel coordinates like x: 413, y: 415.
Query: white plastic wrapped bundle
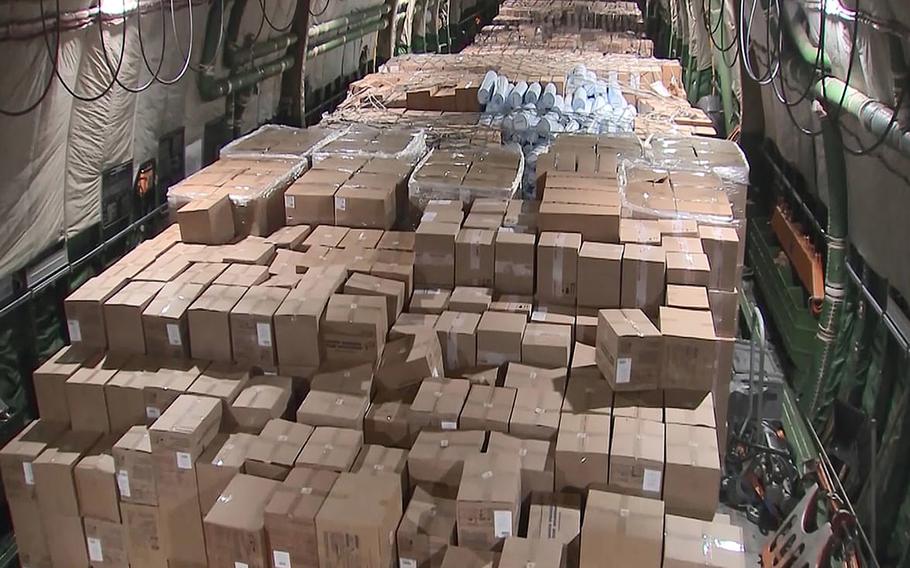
x: 485, y: 92
x: 533, y: 93
x: 517, y: 94
x: 547, y: 97
x: 285, y: 142
x: 503, y: 87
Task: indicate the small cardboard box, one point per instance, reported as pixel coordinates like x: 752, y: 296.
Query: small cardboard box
x: 379, y: 460
x: 643, y: 278
x: 397, y: 240
x: 639, y: 231
x: 52, y: 474
x: 123, y: 316
x: 512, y: 304
x: 273, y: 452
x: 290, y: 516
x: 50, y: 381
x: 406, y: 362
x: 218, y: 464
x: 224, y: 381
x: 472, y: 299
x: 645, y: 405
x: 125, y: 396
x: 331, y: 448
x: 519, y: 376
x: 485, y: 375
x: 208, y: 319
x: 142, y: 526
x: 367, y: 200
x: 687, y: 297
x: 690, y: 269
x: 582, y: 452
x: 207, y: 220
x: 499, y: 337
x: 235, y: 525
x: 721, y: 245
x: 488, y: 408
x: 434, y: 247
x: 166, y: 383
x: 628, y: 350
x: 426, y: 530
x: 326, y: 236
x: 514, y: 266
x: 264, y: 398
x: 85, y: 396
x: 436, y: 459
x: 297, y: 320
x: 17, y: 456
x: 166, y: 267
x: 356, y: 380
x: 399, y: 271
x: 321, y: 408
x: 457, y: 334
x: 412, y: 324
x: 203, y: 273
x: 692, y: 542
x: 242, y: 275
x: 537, y: 461
x: 164, y: 320
x: 309, y: 202
x: 474, y: 258
x: 536, y: 413
x: 251, y: 250
x: 353, y: 329
x: 252, y: 326
x: 594, y: 222
x: 290, y: 238
x: 557, y: 268
x: 628, y: 529
x: 546, y: 345
x: 692, y: 473
x: 519, y: 552
x: 386, y: 424
x: 637, y: 457
x: 557, y: 517
x: 489, y: 500
x: 725, y: 311
x: 483, y: 221
x: 588, y: 394
x: 438, y: 404
x: 700, y: 414
x: 85, y: 311
x: 429, y: 301
x: 599, y: 271
x: 392, y: 290
x: 106, y: 543
x: 695, y: 358
x: 135, y: 468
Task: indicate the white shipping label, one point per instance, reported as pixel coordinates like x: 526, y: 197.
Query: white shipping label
x: 74, y: 329
x: 264, y: 334
x: 28, y: 473
x: 502, y: 524
x: 123, y: 483
x: 623, y: 370
x: 449, y: 425
x: 651, y: 481
x: 173, y: 334
x: 289, y: 201
x: 94, y: 549
x: 281, y: 559
x: 184, y: 460
x: 241, y: 565
x: 407, y: 563
x: 152, y: 412
x: 341, y: 203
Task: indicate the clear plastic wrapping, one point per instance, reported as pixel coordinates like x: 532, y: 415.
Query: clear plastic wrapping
x: 286, y: 142
x: 364, y: 140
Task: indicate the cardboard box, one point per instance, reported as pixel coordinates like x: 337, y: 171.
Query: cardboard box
x: 438, y: 404
x: 426, y: 530
x: 678, y: 227
x: 694, y: 357
x: 235, y: 525
x: 488, y: 408
x: 701, y: 414
x: 535, y: 414
x: 321, y: 408
x: 627, y: 529
x: 359, y: 203
x: 325, y: 236
x: 483, y: 221
x: 265, y: 398
x: 594, y: 222
x: 557, y: 268
x: 50, y: 381
x: 725, y: 311
x: 691, y: 542
x: 643, y: 278
x: 331, y: 448
x: 457, y: 334
x: 690, y: 244
x: 225, y: 381
x: 518, y: 552
x: 164, y: 320
x: 218, y: 464
x: 406, y: 362
x: 354, y: 381
x: 311, y: 202
x: 588, y: 394
x: 397, y: 240
x: 582, y: 452
x: 637, y: 457
x: 691, y: 269
x: 499, y: 338
x: 628, y: 350
x: 207, y: 220
x: 163, y: 384
x: 243, y: 275
x: 474, y: 256
x: 645, y: 405
x: 17, y: 456
x: 464, y: 557
x: 721, y: 245
x: 557, y: 517
x: 165, y: 268
x: 452, y: 216
x: 96, y: 487
x: 640, y: 231
x: 519, y: 376
x: 599, y: 275
x: 399, y: 271
x: 85, y: 311
x: 429, y: 301
x: 379, y: 460
x: 86, y: 399
x: 208, y: 322
x: 471, y: 299
x: 203, y: 273
x: 290, y: 517
x: 392, y: 290
x: 586, y: 329
x: 289, y: 237
x: 31, y: 542
x: 386, y: 424
x: 53, y: 473
x: 692, y: 473
x: 584, y: 362
x: 123, y: 316
x: 436, y: 459
x: 546, y: 345
x: 434, y: 247
x: 273, y: 453
x: 412, y: 324
x: 486, y: 375
x: 106, y: 543
x: 135, y: 470
x: 514, y: 266
x: 687, y: 297
x: 489, y: 500
x: 141, y: 525
x: 252, y: 326
x: 357, y: 522
x: 536, y: 458
x: 354, y: 329
x: 251, y: 250
x: 68, y: 545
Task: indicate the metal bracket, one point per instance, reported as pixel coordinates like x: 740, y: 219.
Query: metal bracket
x: 794, y: 543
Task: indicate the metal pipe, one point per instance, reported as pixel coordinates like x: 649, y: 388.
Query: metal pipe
x: 237, y: 56
x: 345, y: 38
x: 211, y: 88
x: 895, y: 332
x: 352, y: 19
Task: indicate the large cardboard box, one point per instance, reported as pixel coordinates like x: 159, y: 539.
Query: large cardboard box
x: 474, y: 258
x: 472, y: 299
x: 18, y: 455
x: 687, y: 297
x: 334, y: 449
x: 66, y: 540
x: 290, y: 517
x: 557, y: 517
x: 357, y: 522
x: 144, y: 545
x: 311, y: 202
x: 692, y: 472
x: 251, y: 250
x: 202, y: 273
x: 692, y: 542
x: 514, y: 263
x: 426, y: 530
x: 411, y: 324
x: 135, y: 469
x: 436, y: 459
x: 125, y: 394
x: 386, y: 424
x: 429, y: 301
x: 499, y: 337
x: 519, y: 552
x: 53, y: 473
x: 599, y: 275
x: 690, y: 269
x: 85, y: 312
x: 366, y: 201
x: 489, y: 500
x: 219, y: 463
x: 266, y: 397
x: 375, y: 460
x: 354, y: 329
x: 273, y: 453
x: 629, y: 350
x: 537, y: 460
x: 593, y: 221
x: 457, y: 334
x: 487, y: 408
x: 235, y: 525
x: 536, y: 413
x: 520, y: 376
x: 392, y: 290
x: 166, y: 383
x: 588, y: 394
x: 643, y: 278
x: 96, y: 487
x: 50, y: 381
x: 725, y: 311
x: 208, y: 319
x: 630, y: 530
x: 243, y: 275
x: 438, y: 404
x: 342, y: 410
x: 721, y: 245
x: 396, y: 269
x: 434, y: 247
x: 557, y: 268
x: 106, y: 543
x: 637, y: 457
x: 164, y: 320
x: 695, y: 358
x: 207, y: 220
x: 86, y: 398
x: 546, y: 345
x: 289, y: 237
x: 701, y: 413
x: 646, y: 405
x: 582, y: 452
x: 406, y: 362
x: 225, y: 381
x: 123, y: 316
x: 252, y: 326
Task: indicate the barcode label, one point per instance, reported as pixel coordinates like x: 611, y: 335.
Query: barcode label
x: 74, y: 329
x: 341, y: 203
x: 173, y: 334
x: 623, y: 370
x: 184, y: 460
x: 449, y: 425
x: 502, y: 524
x: 123, y: 483
x: 281, y: 559
x: 407, y: 563
x: 651, y: 481
x: 264, y: 334
x: 152, y: 412
x: 28, y: 473
x: 289, y: 201
x: 94, y: 549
